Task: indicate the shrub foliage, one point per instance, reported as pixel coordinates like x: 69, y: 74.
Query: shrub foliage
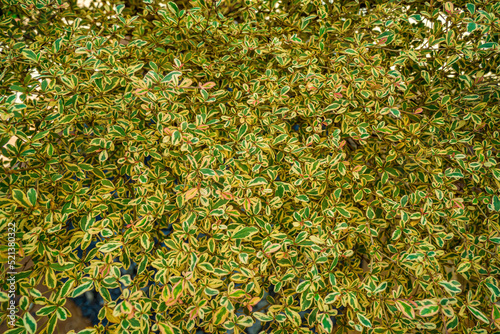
x: 309, y: 166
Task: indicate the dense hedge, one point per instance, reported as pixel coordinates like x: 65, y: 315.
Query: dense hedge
x: 293, y: 166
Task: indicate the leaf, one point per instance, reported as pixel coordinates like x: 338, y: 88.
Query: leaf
x: 293, y: 316
x: 258, y: 181
x: 77, y: 291
x: 207, y: 172
x: 426, y: 76
x: 303, y: 286
x: 29, y: 323
x: 495, y: 291
x: 495, y: 315
x: 496, y: 203
x: 46, y: 310
x: 20, y: 198
x: 237, y: 293
x: 471, y: 27
x: 191, y: 193
x: 284, y: 90
x: 327, y: 324
x: 32, y: 196
x: 172, y: 76
x: 332, y: 107
x: 40, y: 135
x: 332, y: 297
x: 109, y: 247
x: 488, y: 45
x: 471, y: 8
x: 30, y: 55
x: 280, y: 139
x: 262, y: 317
x: 395, y: 112
x: 243, y: 129
x: 167, y: 328
x: 478, y: 314
x: 343, y: 212
x: 381, y: 287
x: 173, y: 8
x: 452, y: 287
x: 358, y: 196
x: 370, y: 213
x: 302, y: 198
x: 337, y: 193
x: 429, y: 310
x: 364, y: 320
x: 244, y: 233
x: 208, y: 85
x: 119, y: 9
x: 406, y: 309
x: 448, y: 7
x: 220, y: 316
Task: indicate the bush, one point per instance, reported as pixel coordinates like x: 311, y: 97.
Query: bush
x: 294, y: 166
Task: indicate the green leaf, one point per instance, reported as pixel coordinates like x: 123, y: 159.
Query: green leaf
x: 343, y: 212
x: 429, y: 310
x: 327, y: 323
x: 18, y: 88
x: 364, y: 320
x: 244, y: 233
x: 496, y: 203
x: 44, y: 311
x: 77, y: 291
x: 29, y: 323
x: 262, y: 317
x: 337, y: 193
x: 243, y: 129
x: 495, y: 291
x: 207, y: 172
x: 220, y: 316
x: 280, y: 139
x: 176, y: 138
x: 471, y: 8
x: 302, y: 198
x: 258, y: 181
x: 237, y: 293
x: 478, y: 314
x: 395, y: 112
x: 358, y: 196
x: 32, y: 196
x: 452, y: 287
x: 31, y: 55
x: 168, y: 328
x: 173, y: 8
x: 40, y: 135
x: 426, y: 76
x: 119, y: 9
x: 211, y: 292
x: 370, y: 213
x: 20, y: 198
x: 332, y: 297
x: 172, y: 76
x: 293, y: 316
x: 487, y: 45
x: 109, y: 247
x: 406, y: 309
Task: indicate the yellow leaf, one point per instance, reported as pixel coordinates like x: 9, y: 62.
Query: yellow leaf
x: 109, y: 315
x: 220, y: 316
x: 186, y: 83
x: 190, y: 193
